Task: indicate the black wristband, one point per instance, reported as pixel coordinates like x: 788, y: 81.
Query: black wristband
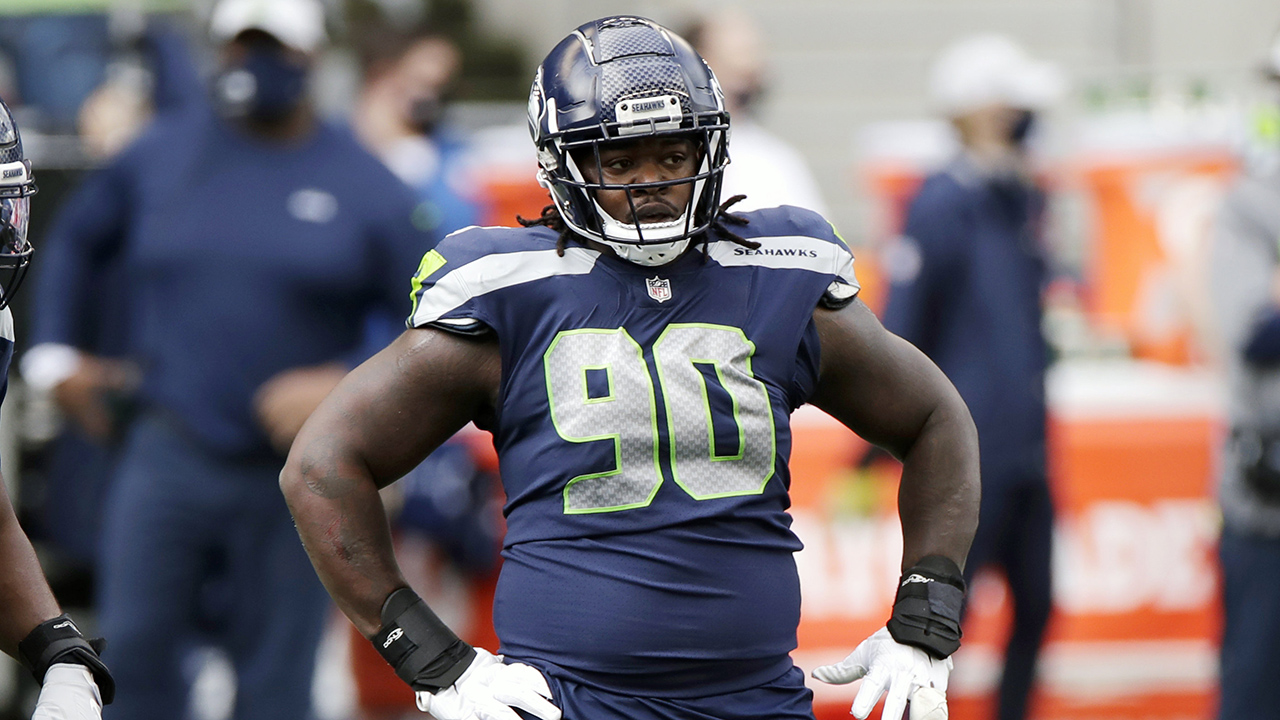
x: 926, y: 613
x: 423, y: 650
x: 59, y: 641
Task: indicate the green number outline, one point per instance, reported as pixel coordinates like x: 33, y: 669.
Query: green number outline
x: 706, y: 406
x: 586, y: 391
x: 706, y: 403
x: 616, y: 437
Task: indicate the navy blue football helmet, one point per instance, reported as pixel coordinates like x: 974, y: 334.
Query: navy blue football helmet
x: 17, y: 185
x: 619, y: 78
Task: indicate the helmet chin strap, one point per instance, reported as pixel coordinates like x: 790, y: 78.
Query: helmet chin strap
x: 650, y: 254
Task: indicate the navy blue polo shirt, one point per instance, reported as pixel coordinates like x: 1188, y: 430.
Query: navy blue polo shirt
x: 240, y: 258
x: 966, y: 282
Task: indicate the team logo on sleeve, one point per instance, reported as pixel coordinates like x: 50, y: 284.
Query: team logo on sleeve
x: 659, y: 289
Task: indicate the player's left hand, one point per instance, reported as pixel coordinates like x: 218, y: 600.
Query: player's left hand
x: 908, y: 673
x: 68, y: 693
x: 489, y: 689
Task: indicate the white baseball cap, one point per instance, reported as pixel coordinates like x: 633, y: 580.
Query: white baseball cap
x: 298, y: 24
x: 991, y: 69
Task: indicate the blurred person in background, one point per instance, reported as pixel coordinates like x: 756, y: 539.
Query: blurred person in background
x: 53, y: 55
x: 763, y: 167
x: 400, y: 117
x: 74, y: 681
x: 255, y: 240
x: 79, y: 462
x: 56, y: 58
x: 1245, y: 283
x: 967, y: 277
x: 153, y: 73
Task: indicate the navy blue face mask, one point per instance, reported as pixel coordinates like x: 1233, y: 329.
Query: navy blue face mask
x: 266, y: 86
x: 425, y: 114
x: 1021, y: 129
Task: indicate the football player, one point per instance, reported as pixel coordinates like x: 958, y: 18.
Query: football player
x: 637, y: 352
x: 74, y: 681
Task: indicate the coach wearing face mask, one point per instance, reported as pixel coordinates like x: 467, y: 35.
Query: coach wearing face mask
x: 967, y: 276
x: 256, y: 242
x: 399, y: 115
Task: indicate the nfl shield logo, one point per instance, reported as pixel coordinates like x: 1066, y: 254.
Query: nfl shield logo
x: 659, y: 289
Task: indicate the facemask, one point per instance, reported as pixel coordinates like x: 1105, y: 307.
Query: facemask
x: 425, y: 114
x: 266, y: 86
x: 1021, y: 128
x: 15, y: 251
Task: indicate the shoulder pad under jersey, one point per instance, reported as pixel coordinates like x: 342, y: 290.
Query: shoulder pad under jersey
x: 449, y: 289
x: 792, y: 237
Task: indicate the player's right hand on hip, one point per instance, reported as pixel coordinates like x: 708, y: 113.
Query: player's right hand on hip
x: 68, y: 693
x: 908, y: 673
x: 489, y: 689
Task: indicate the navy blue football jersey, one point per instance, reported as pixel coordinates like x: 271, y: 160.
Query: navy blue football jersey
x: 643, y: 434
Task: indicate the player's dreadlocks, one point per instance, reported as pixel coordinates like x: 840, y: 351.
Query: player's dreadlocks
x: 550, y: 218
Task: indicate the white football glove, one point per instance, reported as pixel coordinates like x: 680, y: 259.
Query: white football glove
x: 68, y: 693
x: 489, y: 689
x: 907, y: 672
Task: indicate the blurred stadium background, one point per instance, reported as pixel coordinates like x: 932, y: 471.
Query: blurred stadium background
x: 1166, y: 102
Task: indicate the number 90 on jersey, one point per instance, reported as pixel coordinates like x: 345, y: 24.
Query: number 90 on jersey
x: 718, y: 420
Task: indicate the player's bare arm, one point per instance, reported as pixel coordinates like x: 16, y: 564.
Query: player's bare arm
x: 887, y: 391
x: 891, y: 394
x: 74, y: 681
x: 379, y: 422
x: 25, y: 599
